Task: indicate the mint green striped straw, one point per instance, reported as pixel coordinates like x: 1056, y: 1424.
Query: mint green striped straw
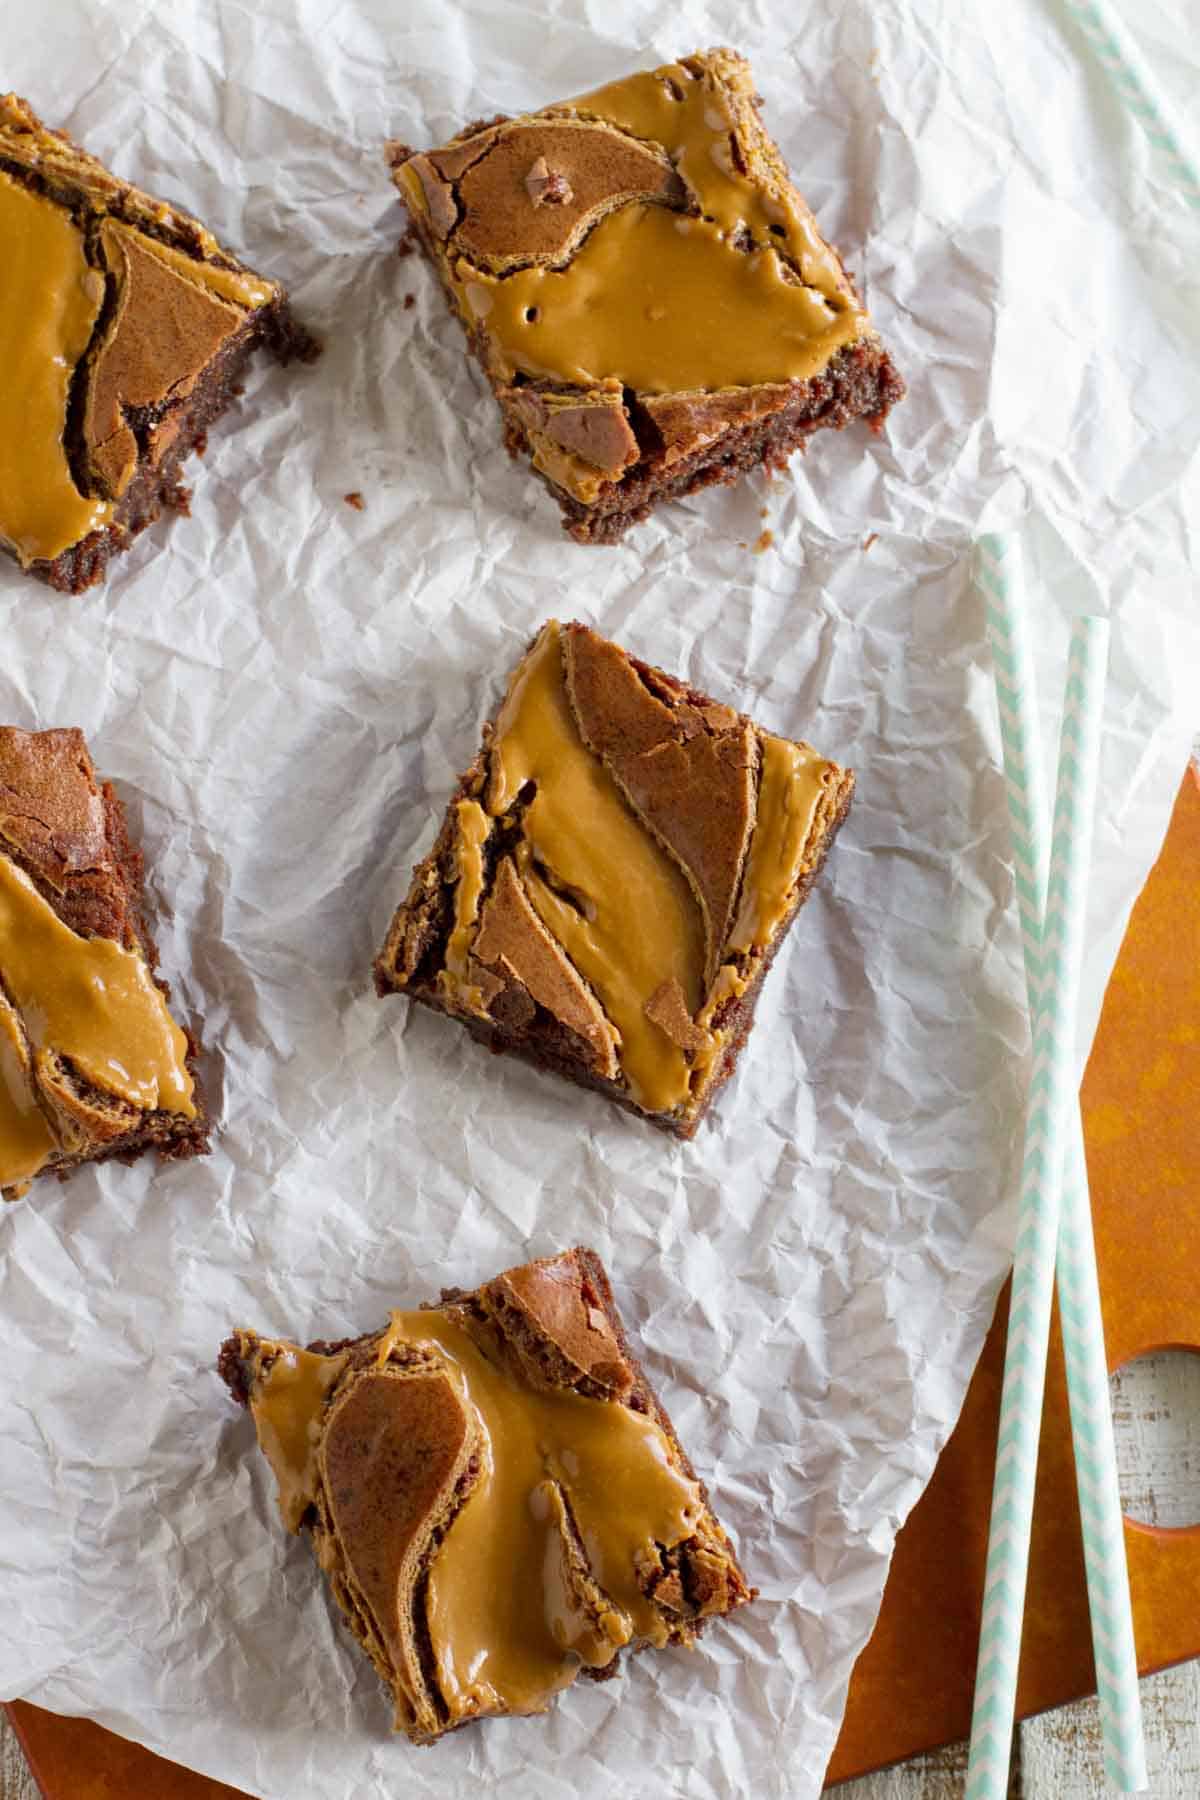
x: 1058, y: 947
x: 1113, y: 1644
x: 1136, y: 87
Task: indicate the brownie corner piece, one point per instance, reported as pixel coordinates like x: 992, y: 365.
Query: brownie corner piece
x: 129, y: 327
x: 614, y: 876
x: 649, y: 295
x: 494, y: 1491
x: 92, y: 1064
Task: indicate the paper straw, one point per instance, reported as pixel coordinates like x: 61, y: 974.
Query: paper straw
x: 1052, y: 1092
x: 1113, y: 1644
x: 1136, y: 87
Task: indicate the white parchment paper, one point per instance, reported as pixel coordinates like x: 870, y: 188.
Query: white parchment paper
x: 283, y: 689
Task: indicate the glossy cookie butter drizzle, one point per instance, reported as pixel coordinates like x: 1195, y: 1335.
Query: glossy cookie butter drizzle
x: 49, y: 302
x: 86, y: 999
x: 618, y: 904
x: 738, y: 290
x: 509, y: 1615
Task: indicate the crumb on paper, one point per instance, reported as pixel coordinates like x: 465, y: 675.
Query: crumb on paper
x: 763, y: 512
x: 872, y: 537
x: 408, y: 241
x: 763, y: 541
x: 355, y: 500
x: 410, y: 300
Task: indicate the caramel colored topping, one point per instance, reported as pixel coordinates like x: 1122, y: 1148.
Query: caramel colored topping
x: 287, y: 1402
x: 696, y: 118
x: 496, y: 1648
x: 90, y: 1000
x: 49, y: 303
x: 731, y: 984
x: 512, y: 937
x: 677, y: 256
x: 638, y: 924
x: 26, y: 1140
x: 794, y: 780
x: 657, y: 302
x: 165, y: 332
x: 473, y: 828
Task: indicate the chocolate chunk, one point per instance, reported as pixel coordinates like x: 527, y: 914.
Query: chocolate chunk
x: 594, y: 427
x: 546, y: 186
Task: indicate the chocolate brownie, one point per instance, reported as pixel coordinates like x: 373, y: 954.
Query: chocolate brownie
x: 615, y: 873
x: 496, y: 1495
x: 125, y: 328
x: 648, y: 294
x: 92, y: 1065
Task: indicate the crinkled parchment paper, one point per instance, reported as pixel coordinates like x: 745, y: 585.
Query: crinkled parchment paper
x: 283, y: 688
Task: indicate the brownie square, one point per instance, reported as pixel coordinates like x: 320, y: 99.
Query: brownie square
x: 125, y: 328
x: 614, y: 876
x: 494, y: 1491
x: 92, y: 1065
x: 648, y: 294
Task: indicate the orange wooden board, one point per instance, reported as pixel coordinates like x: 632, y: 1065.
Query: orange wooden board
x: 912, y: 1687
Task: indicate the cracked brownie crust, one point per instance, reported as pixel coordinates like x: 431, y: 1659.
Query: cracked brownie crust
x: 614, y: 877
x: 125, y: 329
x: 92, y: 1065
x: 496, y: 1495
x: 648, y: 294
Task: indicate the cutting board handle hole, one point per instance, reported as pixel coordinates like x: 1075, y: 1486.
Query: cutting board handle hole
x: 1156, y: 1419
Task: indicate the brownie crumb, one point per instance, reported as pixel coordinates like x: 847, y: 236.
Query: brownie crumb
x: 410, y: 300
x: 763, y: 541
x: 355, y: 500
x: 872, y: 537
